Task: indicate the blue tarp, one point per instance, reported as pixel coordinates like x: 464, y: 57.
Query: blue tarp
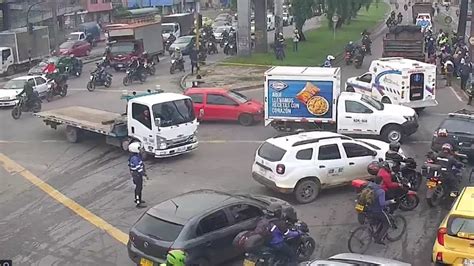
x: 149, y: 3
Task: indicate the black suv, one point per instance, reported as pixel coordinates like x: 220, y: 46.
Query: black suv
x: 458, y: 130
x: 203, y: 223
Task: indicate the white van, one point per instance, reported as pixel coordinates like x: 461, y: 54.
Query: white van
x: 399, y: 81
x: 270, y: 22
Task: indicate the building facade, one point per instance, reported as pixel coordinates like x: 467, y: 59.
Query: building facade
x: 98, y: 10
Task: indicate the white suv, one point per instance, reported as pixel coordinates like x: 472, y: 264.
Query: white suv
x: 304, y: 163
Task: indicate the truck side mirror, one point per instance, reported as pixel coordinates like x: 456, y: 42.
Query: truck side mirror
x: 374, y: 153
x: 158, y: 122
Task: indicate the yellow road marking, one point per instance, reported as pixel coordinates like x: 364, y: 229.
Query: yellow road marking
x: 14, y: 168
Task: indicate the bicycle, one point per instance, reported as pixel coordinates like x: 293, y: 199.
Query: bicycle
x: 364, y: 235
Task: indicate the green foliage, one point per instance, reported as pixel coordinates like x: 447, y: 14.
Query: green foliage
x: 302, y: 10
x: 346, y: 10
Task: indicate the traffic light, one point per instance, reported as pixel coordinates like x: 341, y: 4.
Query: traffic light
x: 30, y: 28
x: 199, y: 21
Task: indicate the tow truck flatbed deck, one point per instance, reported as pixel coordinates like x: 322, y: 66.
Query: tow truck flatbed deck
x: 89, y: 119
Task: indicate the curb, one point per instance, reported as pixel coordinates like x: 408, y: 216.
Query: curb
x: 182, y: 82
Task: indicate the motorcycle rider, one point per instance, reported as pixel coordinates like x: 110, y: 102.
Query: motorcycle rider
x: 392, y: 189
x: 376, y: 210
x: 350, y: 48
x: 31, y: 96
x: 393, y: 155
x: 171, y: 38
x: 175, y: 258
x: 278, y: 231
x: 399, y: 17
x: 178, y: 56
x: 447, y: 161
x: 367, y: 41
x: 329, y: 60
x: 136, y: 66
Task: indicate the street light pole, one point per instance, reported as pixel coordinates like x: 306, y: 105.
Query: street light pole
x: 54, y: 7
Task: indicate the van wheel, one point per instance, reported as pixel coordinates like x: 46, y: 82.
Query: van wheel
x: 350, y: 89
x: 386, y: 100
x: 392, y: 133
x: 307, y: 190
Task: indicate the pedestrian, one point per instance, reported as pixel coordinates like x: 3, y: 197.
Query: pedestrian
x: 193, y: 56
x: 137, y: 170
x: 449, y: 70
x: 296, y: 40
x: 465, y: 71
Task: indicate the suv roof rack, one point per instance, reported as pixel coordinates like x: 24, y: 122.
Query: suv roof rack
x: 315, y: 140
x: 286, y: 134
x: 464, y: 113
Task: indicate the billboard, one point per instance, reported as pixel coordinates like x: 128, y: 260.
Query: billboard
x: 300, y: 99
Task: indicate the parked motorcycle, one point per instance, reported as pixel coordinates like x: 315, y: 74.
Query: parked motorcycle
x: 176, y: 65
x: 212, y: 48
x: 21, y: 106
x: 56, y: 87
x: 303, y: 245
x: 133, y: 75
x: 99, y: 79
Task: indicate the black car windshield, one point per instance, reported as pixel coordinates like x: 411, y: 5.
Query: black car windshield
x: 167, y: 28
x: 124, y: 48
x: 15, y: 84
x: 174, y: 113
x: 372, y: 102
x: 458, y: 126
x: 238, y: 97
x: 158, y: 228
x: 271, y: 152
x: 185, y: 39
x: 66, y: 45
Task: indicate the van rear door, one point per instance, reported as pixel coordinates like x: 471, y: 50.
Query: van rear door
x: 417, y: 85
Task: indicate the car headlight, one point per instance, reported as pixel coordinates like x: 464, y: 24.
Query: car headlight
x: 194, y: 138
x: 163, y: 146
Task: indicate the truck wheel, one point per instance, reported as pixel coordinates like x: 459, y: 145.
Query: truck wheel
x: 72, y: 134
x: 392, y: 133
x: 246, y: 120
x: 350, y: 89
x: 307, y: 190
x: 386, y: 100
x: 10, y: 70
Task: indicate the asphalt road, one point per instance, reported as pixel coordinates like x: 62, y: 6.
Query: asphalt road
x: 35, y: 229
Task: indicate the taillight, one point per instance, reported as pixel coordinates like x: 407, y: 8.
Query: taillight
x: 280, y: 169
x: 441, y: 232
x: 439, y: 256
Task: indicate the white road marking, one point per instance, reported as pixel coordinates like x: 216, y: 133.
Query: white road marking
x: 456, y: 94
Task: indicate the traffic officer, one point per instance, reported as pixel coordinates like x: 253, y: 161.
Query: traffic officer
x: 137, y: 170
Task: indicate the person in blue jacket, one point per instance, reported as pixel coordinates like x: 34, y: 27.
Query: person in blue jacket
x: 279, y: 231
x: 329, y: 60
x: 376, y: 210
x: 137, y: 170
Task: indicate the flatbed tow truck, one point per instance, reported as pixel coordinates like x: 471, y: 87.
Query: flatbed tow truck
x: 169, y: 130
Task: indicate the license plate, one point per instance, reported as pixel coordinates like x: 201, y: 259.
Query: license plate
x: 468, y: 262
x: 180, y: 149
x: 416, y: 94
x: 261, y: 170
x: 248, y: 263
x: 359, y: 208
x: 431, y: 184
x: 145, y: 262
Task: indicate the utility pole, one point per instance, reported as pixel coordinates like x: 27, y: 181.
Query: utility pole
x: 463, y: 6
x: 54, y: 10
x: 471, y: 35
x: 278, y: 18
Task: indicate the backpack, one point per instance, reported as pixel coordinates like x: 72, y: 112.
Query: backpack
x: 248, y: 241
x: 366, y: 199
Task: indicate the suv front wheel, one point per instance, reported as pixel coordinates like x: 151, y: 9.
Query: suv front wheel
x: 307, y: 190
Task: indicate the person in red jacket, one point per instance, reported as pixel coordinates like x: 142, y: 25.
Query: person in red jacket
x: 49, y: 68
x: 392, y: 189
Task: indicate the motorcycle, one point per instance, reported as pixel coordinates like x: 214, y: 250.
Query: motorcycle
x: 303, y: 245
x: 133, y: 75
x: 150, y: 68
x: 212, y: 48
x: 410, y: 174
x: 21, y: 106
x: 56, y: 88
x: 230, y: 48
x: 98, y: 79
x: 168, y: 43
x: 176, y: 65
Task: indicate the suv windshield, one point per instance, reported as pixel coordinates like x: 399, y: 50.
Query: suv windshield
x: 271, y: 152
x: 174, y: 113
x: 372, y: 102
x: 157, y: 228
x: 458, y: 126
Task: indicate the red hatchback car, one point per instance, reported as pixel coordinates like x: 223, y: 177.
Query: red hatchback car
x: 76, y: 48
x: 221, y: 104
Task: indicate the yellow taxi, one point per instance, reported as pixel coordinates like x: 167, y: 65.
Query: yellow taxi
x: 454, y: 244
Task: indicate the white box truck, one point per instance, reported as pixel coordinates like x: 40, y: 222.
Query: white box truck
x: 168, y: 130
x: 309, y: 98
x: 398, y: 80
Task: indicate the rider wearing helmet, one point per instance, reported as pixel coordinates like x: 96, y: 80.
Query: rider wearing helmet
x: 447, y: 161
x: 329, y: 60
x: 31, y: 96
x: 392, y: 189
x: 137, y: 170
x: 175, y: 258
x: 177, y: 55
x: 393, y: 155
x: 350, y: 47
x: 279, y: 231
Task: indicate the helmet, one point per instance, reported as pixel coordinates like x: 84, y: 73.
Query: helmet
x: 296, y: 31
x: 144, y: 53
x: 176, y: 257
x: 351, y: 42
x: 177, y: 49
x: 373, y: 168
x: 447, y: 147
x: 274, y: 210
x: 134, y: 147
x: 280, y: 34
x: 394, y: 146
x: 330, y: 57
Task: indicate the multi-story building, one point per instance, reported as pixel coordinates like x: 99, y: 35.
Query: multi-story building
x: 97, y: 10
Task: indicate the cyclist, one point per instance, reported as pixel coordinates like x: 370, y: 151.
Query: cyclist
x: 376, y: 210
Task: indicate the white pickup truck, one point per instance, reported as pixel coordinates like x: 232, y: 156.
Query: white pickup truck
x: 164, y: 123
x: 309, y: 98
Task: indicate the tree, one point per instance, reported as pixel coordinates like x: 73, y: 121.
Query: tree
x: 302, y: 10
x: 346, y: 10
